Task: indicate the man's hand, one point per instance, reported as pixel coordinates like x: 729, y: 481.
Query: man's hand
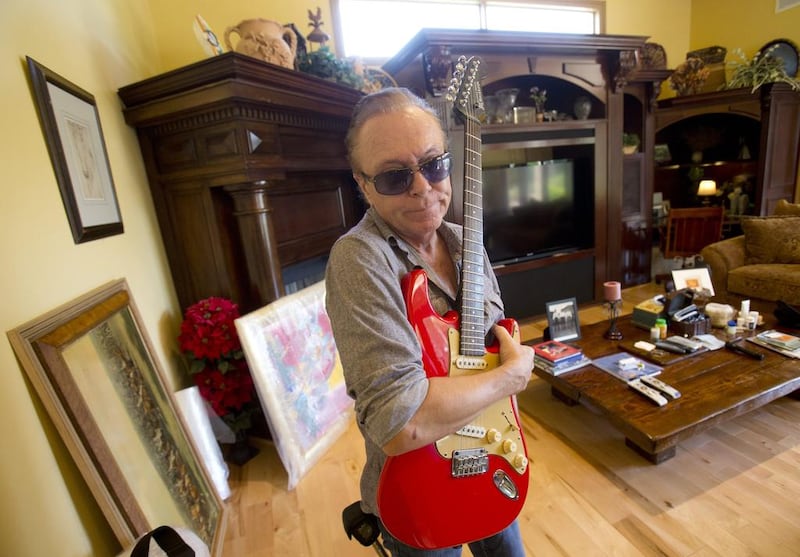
x: 516, y: 359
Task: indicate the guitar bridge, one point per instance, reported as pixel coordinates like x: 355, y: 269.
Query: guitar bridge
x: 469, y: 462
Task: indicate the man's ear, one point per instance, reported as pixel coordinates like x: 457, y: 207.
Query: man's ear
x: 362, y: 186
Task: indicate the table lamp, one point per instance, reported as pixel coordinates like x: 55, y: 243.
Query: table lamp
x: 612, y: 292
x: 706, y: 189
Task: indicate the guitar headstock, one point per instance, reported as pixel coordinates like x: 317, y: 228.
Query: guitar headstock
x: 464, y: 91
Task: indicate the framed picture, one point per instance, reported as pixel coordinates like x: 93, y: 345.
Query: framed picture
x: 71, y: 126
x: 90, y: 363
x: 296, y: 369
x: 697, y: 279
x: 562, y: 319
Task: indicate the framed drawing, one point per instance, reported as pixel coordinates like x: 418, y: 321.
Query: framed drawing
x: 292, y: 356
x: 90, y: 363
x: 697, y: 279
x: 562, y: 319
x: 71, y: 126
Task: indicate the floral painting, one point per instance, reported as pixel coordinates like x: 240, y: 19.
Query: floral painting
x: 298, y: 376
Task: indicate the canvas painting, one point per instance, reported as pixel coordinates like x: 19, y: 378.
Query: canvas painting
x: 298, y: 376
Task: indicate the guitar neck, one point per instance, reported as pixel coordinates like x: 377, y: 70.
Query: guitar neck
x: 472, y: 336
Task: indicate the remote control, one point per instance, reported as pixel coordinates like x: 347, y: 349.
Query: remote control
x: 647, y: 391
x: 683, y: 341
x: 658, y: 384
x: 668, y: 346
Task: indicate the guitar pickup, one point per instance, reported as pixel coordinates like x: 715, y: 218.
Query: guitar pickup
x: 474, y: 431
x: 469, y: 462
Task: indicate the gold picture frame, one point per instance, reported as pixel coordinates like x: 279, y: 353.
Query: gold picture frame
x: 90, y: 363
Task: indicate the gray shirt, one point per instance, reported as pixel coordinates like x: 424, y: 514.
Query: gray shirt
x: 380, y: 353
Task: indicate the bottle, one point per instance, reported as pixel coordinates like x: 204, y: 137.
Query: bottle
x: 661, y: 323
x: 730, y: 330
x: 655, y: 333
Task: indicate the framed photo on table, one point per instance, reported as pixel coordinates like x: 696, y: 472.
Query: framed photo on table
x: 71, y: 126
x: 562, y: 319
x: 90, y: 363
x: 697, y: 279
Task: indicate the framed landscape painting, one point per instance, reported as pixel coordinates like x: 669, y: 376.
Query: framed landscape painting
x: 90, y: 363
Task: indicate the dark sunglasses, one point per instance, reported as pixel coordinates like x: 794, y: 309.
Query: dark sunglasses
x: 395, y: 182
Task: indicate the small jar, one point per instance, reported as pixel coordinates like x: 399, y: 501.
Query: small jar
x: 661, y: 323
x: 655, y: 333
x: 730, y: 329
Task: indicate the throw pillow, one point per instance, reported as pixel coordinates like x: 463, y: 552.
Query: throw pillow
x: 771, y: 239
x: 785, y: 208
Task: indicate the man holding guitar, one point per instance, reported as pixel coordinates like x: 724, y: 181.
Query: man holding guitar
x: 434, y: 475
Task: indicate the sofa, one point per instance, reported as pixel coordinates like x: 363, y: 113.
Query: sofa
x: 763, y: 264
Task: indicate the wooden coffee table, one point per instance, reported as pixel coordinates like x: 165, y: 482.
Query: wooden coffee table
x: 715, y: 387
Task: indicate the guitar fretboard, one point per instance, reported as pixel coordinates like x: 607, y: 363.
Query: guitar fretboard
x: 472, y: 336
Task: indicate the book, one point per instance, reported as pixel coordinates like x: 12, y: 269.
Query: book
x: 775, y: 348
x: 779, y: 339
x: 555, y: 351
x: 626, y: 367
x: 564, y: 367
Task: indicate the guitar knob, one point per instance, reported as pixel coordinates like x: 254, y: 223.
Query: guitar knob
x: 493, y: 436
x: 509, y: 446
x: 519, y: 461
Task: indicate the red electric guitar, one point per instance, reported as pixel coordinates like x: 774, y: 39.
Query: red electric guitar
x: 471, y: 484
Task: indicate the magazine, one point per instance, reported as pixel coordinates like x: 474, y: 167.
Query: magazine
x: 764, y: 344
x: 780, y: 339
x: 626, y: 367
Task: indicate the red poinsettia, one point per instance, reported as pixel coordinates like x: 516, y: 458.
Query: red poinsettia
x: 208, y: 338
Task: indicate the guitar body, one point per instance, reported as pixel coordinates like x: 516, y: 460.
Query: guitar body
x: 427, y: 500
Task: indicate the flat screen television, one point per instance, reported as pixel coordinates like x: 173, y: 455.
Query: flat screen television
x: 537, y: 210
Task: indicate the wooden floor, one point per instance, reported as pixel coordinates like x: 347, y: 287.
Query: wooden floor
x: 731, y: 491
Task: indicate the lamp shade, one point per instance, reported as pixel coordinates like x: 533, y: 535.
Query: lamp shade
x: 707, y: 187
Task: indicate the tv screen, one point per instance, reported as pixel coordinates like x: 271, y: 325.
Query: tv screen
x: 535, y: 210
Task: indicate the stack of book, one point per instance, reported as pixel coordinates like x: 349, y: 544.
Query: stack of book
x: 783, y: 343
x: 556, y: 357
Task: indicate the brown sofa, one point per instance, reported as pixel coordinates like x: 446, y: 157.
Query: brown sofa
x: 763, y: 264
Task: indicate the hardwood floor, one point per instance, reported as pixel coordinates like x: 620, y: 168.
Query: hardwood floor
x: 733, y: 490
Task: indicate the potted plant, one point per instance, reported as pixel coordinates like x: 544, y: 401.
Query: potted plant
x: 539, y: 97
x: 209, y: 340
x: 763, y: 68
x: 630, y: 143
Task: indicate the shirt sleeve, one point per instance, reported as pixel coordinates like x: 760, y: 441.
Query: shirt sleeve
x: 380, y: 353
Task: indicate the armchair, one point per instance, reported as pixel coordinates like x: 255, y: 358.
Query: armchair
x: 763, y: 264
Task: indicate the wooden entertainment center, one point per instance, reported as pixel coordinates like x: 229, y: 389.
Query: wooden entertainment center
x: 247, y: 168
x: 602, y: 68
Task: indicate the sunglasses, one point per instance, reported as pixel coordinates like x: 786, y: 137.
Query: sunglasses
x: 395, y: 182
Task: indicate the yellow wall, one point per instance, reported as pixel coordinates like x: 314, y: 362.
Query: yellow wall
x: 99, y: 45
x: 102, y: 45
x: 741, y: 24
x: 666, y: 23
x: 172, y: 22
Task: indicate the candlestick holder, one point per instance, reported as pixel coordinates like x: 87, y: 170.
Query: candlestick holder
x: 613, y: 313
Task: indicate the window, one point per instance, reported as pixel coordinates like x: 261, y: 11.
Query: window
x: 377, y: 29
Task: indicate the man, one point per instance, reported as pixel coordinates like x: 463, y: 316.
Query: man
x: 397, y: 150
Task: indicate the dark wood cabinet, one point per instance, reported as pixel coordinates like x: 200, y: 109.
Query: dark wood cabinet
x: 602, y: 68
x: 732, y: 137
x: 248, y: 172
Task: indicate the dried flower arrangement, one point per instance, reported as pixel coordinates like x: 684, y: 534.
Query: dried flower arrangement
x: 689, y: 76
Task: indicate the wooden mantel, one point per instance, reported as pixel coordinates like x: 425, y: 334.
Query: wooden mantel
x: 248, y: 172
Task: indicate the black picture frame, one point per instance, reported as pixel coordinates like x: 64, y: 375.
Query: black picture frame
x: 71, y: 126
x: 562, y: 319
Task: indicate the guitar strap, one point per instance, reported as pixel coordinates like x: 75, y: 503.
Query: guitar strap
x: 167, y: 539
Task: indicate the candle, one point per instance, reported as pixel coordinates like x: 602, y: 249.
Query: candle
x: 612, y: 291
